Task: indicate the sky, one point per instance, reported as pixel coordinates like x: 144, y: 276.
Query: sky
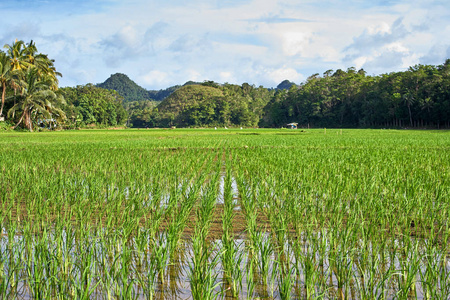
x: 159, y: 44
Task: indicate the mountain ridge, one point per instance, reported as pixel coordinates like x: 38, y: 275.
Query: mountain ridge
x: 131, y: 91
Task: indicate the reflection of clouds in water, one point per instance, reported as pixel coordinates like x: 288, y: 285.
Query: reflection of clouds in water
x: 234, y: 191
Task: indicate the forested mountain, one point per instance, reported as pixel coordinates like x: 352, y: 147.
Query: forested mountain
x: 285, y: 85
x: 131, y: 91
x: 191, y: 104
x: 416, y: 98
x: 127, y: 88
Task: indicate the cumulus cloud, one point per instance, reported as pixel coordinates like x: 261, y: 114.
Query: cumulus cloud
x: 391, y: 56
x: 381, y: 48
x: 279, y: 19
x: 375, y: 37
x: 288, y: 73
x: 437, y: 54
x: 155, y: 78
x: 188, y: 43
x: 25, y: 31
x: 132, y: 42
x: 226, y: 77
x: 295, y: 42
x: 126, y: 40
x: 155, y: 32
x: 262, y: 42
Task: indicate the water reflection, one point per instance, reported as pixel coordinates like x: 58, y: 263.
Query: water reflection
x: 106, y: 264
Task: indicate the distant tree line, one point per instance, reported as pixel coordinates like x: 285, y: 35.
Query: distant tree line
x: 30, y: 98
x: 418, y: 97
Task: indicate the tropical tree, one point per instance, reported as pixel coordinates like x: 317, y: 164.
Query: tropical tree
x: 5, y: 68
x: 36, y: 99
x: 22, y: 56
x: 34, y: 79
x: 44, y: 65
x: 17, y: 53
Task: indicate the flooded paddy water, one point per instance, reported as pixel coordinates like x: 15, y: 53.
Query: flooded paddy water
x: 298, y: 216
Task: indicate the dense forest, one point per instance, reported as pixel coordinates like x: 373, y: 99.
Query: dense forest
x: 210, y: 104
x: 30, y: 99
x: 418, y: 97
x: 89, y: 104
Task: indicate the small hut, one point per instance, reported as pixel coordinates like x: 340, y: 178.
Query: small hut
x: 292, y: 125
x: 47, y: 123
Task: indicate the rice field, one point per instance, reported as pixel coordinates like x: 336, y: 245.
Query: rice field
x: 225, y: 214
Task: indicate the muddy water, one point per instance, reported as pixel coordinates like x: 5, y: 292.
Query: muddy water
x: 174, y: 280
x: 137, y: 259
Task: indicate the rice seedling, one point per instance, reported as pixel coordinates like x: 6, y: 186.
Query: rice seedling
x: 202, y: 274
x: 232, y: 254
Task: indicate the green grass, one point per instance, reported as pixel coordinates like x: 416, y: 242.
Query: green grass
x: 131, y: 214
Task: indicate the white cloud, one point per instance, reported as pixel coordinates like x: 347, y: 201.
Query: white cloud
x: 393, y: 55
x: 375, y: 37
x: 380, y: 29
x: 226, y: 77
x: 436, y: 55
x: 155, y: 78
x: 359, y: 62
x: 281, y: 74
x: 127, y: 36
x: 396, y: 47
x: 294, y: 42
x: 194, y: 75
x: 163, y: 43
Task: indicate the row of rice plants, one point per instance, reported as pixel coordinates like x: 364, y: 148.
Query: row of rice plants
x: 94, y: 232
x: 232, y: 254
x: 363, y: 222
x: 203, y: 274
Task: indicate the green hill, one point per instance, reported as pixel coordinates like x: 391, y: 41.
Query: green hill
x: 131, y: 91
x: 285, y: 85
x: 190, y: 105
x: 211, y: 104
x: 126, y: 87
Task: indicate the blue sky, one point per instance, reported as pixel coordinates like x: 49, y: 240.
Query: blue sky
x: 162, y: 43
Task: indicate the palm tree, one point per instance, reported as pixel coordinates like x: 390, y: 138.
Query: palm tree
x: 36, y: 99
x: 41, y: 61
x: 5, y: 67
x: 33, y: 77
x: 17, y: 56
x: 23, y: 56
x: 17, y: 53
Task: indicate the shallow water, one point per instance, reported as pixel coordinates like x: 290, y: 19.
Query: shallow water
x: 115, y: 256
